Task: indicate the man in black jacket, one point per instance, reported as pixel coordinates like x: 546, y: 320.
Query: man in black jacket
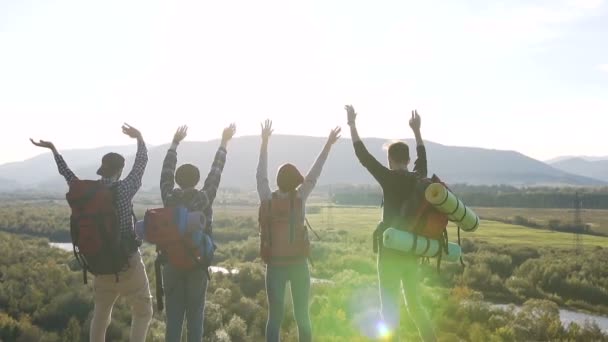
x: 395, y: 270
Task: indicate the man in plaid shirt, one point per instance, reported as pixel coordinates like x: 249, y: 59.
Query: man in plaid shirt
x: 133, y: 282
x: 185, y: 290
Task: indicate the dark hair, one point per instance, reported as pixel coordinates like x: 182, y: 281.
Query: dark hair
x: 399, y: 152
x: 187, y: 176
x: 289, y: 178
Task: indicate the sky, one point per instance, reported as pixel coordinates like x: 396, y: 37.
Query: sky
x: 530, y: 76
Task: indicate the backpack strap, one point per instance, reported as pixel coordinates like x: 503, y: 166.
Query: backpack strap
x: 318, y: 238
x: 160, y: 291
x: 461, y: 260
x: 82, y: 264
x: 312, y: 230
x: 292, y: 217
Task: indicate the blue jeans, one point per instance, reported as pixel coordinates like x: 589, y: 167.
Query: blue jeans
x: 184, y: 296
x: 277, y: 277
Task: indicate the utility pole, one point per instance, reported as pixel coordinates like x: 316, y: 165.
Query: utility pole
x: 578, y: 224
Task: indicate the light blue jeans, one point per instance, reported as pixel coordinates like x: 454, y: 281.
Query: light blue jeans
x: 184, y: 297
x: 298, y: 276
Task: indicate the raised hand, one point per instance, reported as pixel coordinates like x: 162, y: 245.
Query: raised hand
x: 415, y: 121
x: 228, y: 133
x: 266, y: 130
x: 131, y: 131
x: 180, y: 134
x: 44, y: 144
x: 350, y: 114
x: 334, y: 135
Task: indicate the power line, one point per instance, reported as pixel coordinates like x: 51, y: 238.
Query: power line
x: 330, y: 214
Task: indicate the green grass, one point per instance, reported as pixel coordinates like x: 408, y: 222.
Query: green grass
x: 361, y: 221
x: 597, y: 219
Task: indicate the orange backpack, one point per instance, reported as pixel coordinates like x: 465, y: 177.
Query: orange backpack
x: 283, y: 233
x: 179, y: 235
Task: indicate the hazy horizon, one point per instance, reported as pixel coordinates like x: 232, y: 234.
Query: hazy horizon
x: 525, y: 76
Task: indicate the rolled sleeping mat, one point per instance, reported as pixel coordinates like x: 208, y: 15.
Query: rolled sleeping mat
x: 403, y: 241
x: 446, y: 202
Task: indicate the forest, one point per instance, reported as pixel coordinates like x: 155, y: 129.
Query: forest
x: 42, y: 297
x: 492, y: 196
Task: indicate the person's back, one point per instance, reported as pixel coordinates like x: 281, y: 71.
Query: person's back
x: 185, y: 290
x: 132, y: 281
x: 394, y: 269
x: 294, y: 189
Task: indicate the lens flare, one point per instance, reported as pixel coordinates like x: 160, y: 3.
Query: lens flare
x: 383, y: 331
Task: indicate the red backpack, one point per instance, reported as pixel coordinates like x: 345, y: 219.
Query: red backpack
x: 283, y: 233
x: 94, y: 228
x: 421, y: 216
x: 178, y: 234
x: 180, y: 239
x: 423, y: 219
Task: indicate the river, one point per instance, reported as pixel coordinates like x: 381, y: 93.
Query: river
x: 569, y: 316
x: 566, y: 316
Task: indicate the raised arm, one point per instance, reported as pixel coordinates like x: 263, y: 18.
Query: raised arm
x: 315, y: 171
x: 420, y: 166
x: 375, y: 168
x: 132, y: 182
x: 62, y: 166
x: 261, y: 175
x: 167, y: 175
x: 212, y: 182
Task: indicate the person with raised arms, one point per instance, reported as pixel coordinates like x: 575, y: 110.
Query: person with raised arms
x: 395, y: 270
x: 104, y: 240
x: 185, y: 288
x: 284, y: 243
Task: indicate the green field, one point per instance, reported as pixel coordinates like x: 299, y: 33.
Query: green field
x: 596, y: 219
x: 360, y: 222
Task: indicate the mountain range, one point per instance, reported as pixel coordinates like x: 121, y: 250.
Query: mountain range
x: 589, y: 167
x: 453, y: 164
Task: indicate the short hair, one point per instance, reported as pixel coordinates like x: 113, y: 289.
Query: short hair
x: 399, y: 152
x: 187, y: 176
x: 289, y: 178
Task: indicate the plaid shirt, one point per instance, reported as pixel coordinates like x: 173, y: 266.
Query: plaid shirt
x: 194, y: 200
x: 125, y: 189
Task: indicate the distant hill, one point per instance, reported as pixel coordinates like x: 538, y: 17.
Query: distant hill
x: 36, y: 170
x: 8, y: 184
x: 587, y: 158
x: 597, y: 169
x: 454, y: 164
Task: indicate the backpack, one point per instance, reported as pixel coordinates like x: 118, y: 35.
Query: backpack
x: 94, y: 228
x: 421, y: 218
x: 180, y: 236
x: 283, y: 232
x: 180, y: 239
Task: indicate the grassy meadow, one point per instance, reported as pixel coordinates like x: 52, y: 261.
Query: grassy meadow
x: 358, y: 223
x: 597, y: 219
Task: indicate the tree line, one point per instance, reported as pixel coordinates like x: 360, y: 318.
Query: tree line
x: 491, y: 196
